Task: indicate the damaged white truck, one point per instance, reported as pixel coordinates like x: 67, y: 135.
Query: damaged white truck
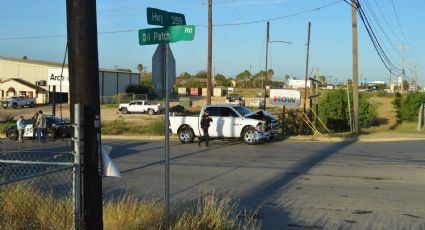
x: 229, y: 121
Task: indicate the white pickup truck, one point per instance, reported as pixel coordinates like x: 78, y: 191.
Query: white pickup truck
x: 140, y: 106
x: 18, y: 101
x: 229, y: 121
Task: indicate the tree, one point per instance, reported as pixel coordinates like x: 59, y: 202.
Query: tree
x: 185, y: 75
x: 201, y: 74
x: 25, y: 57
x: 140, y: 69
x: 286, y: 77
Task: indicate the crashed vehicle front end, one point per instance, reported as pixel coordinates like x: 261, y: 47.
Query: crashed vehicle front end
x: 267, y: 127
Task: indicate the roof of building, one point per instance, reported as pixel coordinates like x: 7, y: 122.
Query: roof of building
x: 52, y: 64
x: 26, y: 83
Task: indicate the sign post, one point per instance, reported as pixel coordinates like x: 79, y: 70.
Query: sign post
x: 164, y: 71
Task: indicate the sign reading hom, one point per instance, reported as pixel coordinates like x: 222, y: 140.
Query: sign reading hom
x: 55, y: 78
x: 285, y: 97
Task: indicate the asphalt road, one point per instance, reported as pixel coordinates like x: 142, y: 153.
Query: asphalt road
x: 292, y: 185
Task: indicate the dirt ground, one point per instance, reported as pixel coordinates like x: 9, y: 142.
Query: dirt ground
x: 107, y: 113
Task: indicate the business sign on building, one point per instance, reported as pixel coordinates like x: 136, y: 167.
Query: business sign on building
x: 285, y: 97
x: 59, y: 79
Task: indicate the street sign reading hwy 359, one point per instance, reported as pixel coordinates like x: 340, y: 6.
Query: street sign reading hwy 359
x: 164, y: 18
x: 166, y: 35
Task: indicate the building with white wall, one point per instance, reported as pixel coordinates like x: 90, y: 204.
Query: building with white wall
x: 43, y: 75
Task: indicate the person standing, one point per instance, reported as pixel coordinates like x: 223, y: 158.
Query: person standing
x: 205, y: 125
x: 21, y: 127
x: 34, y: 126
x: 41, y: 126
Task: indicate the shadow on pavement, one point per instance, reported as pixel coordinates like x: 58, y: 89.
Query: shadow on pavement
x: 262, y: 197
x: 178, y: 157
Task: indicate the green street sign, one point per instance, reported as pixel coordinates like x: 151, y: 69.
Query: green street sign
x: 164, y: 18
x: 166, y: 35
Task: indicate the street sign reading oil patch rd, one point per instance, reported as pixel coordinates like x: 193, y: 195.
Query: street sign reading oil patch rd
x: 166, y: 35
x: 164, y: 18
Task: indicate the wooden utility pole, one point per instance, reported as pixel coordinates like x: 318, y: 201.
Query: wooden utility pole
x: 416, y: 78
x: 209, y: 68
x: 84, y: 89
x: 316, y: 99
x: 306, y: 66
x: 266, y: 74
x: 390, y: 81
x: 355, y: 69
x: 402, y: 67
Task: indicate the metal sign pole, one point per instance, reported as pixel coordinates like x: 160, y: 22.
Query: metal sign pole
x: 77, y: 168
x: 167, y: 137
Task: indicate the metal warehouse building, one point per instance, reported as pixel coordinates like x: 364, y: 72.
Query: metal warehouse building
x: 34, y: 78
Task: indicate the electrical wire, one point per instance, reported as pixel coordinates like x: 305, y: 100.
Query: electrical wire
x: 369, y: 11
x: 280, y: 17
x: 375, y: 42
x: 199, y: 25
x: 386, y: 21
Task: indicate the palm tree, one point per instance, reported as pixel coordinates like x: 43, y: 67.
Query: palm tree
x: 140, y: 69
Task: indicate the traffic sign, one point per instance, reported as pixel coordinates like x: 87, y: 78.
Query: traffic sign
x: 158, y: 74
x: 164, y: 18
x: 166, y: 35
x: 285, y: 97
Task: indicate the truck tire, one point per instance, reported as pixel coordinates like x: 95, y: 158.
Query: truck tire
x: 248, y: 136
x: 124, y: 110
x: 151, y: 112
x: 32, y: 105
x: 186, y: 135
x: 12, y: 134
x: 14, y: 105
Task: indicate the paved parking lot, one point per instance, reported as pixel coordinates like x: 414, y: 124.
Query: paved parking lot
x: 292, y: 185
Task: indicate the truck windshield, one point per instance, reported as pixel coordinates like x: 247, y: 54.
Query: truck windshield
x: 242, y: 110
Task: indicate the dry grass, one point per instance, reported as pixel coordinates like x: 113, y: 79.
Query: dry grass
x: 33, y: 210
x: 151, y: 126
x: 30, y: 209
x: 387, y: 123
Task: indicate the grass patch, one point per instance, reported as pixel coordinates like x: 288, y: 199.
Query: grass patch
x: 119, y: 126
x: 30, y: 209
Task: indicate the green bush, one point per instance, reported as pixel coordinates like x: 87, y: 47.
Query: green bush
x: 367, y: 111
x: 397, y: 106
x: 408, y: 106
x: 333, y: 110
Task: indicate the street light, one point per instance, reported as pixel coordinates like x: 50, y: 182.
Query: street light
x: 281, y: 42
x: 267, y: 74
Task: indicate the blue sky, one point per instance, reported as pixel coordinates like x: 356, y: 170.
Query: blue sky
x: 235, y: 48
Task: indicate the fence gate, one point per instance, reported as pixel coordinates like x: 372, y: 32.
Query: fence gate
x: 37, y: 190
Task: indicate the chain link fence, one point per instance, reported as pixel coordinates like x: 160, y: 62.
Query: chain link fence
x: 36, y: 190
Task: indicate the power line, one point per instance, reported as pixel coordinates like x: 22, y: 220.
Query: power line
x: 380, y: 51
x: 383, y: 56
x: 199, y: 25
x: 386, y: 22
x: 375, y: 18
x: 398, y: 21
x: 280, y: 17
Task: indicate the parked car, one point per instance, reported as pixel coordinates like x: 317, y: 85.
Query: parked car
x: 18, y: 101
x: 257, y: 103
x: 235, y: 99
x: 56, y: 128
x: 140, y: 106
x: 229, y: 121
